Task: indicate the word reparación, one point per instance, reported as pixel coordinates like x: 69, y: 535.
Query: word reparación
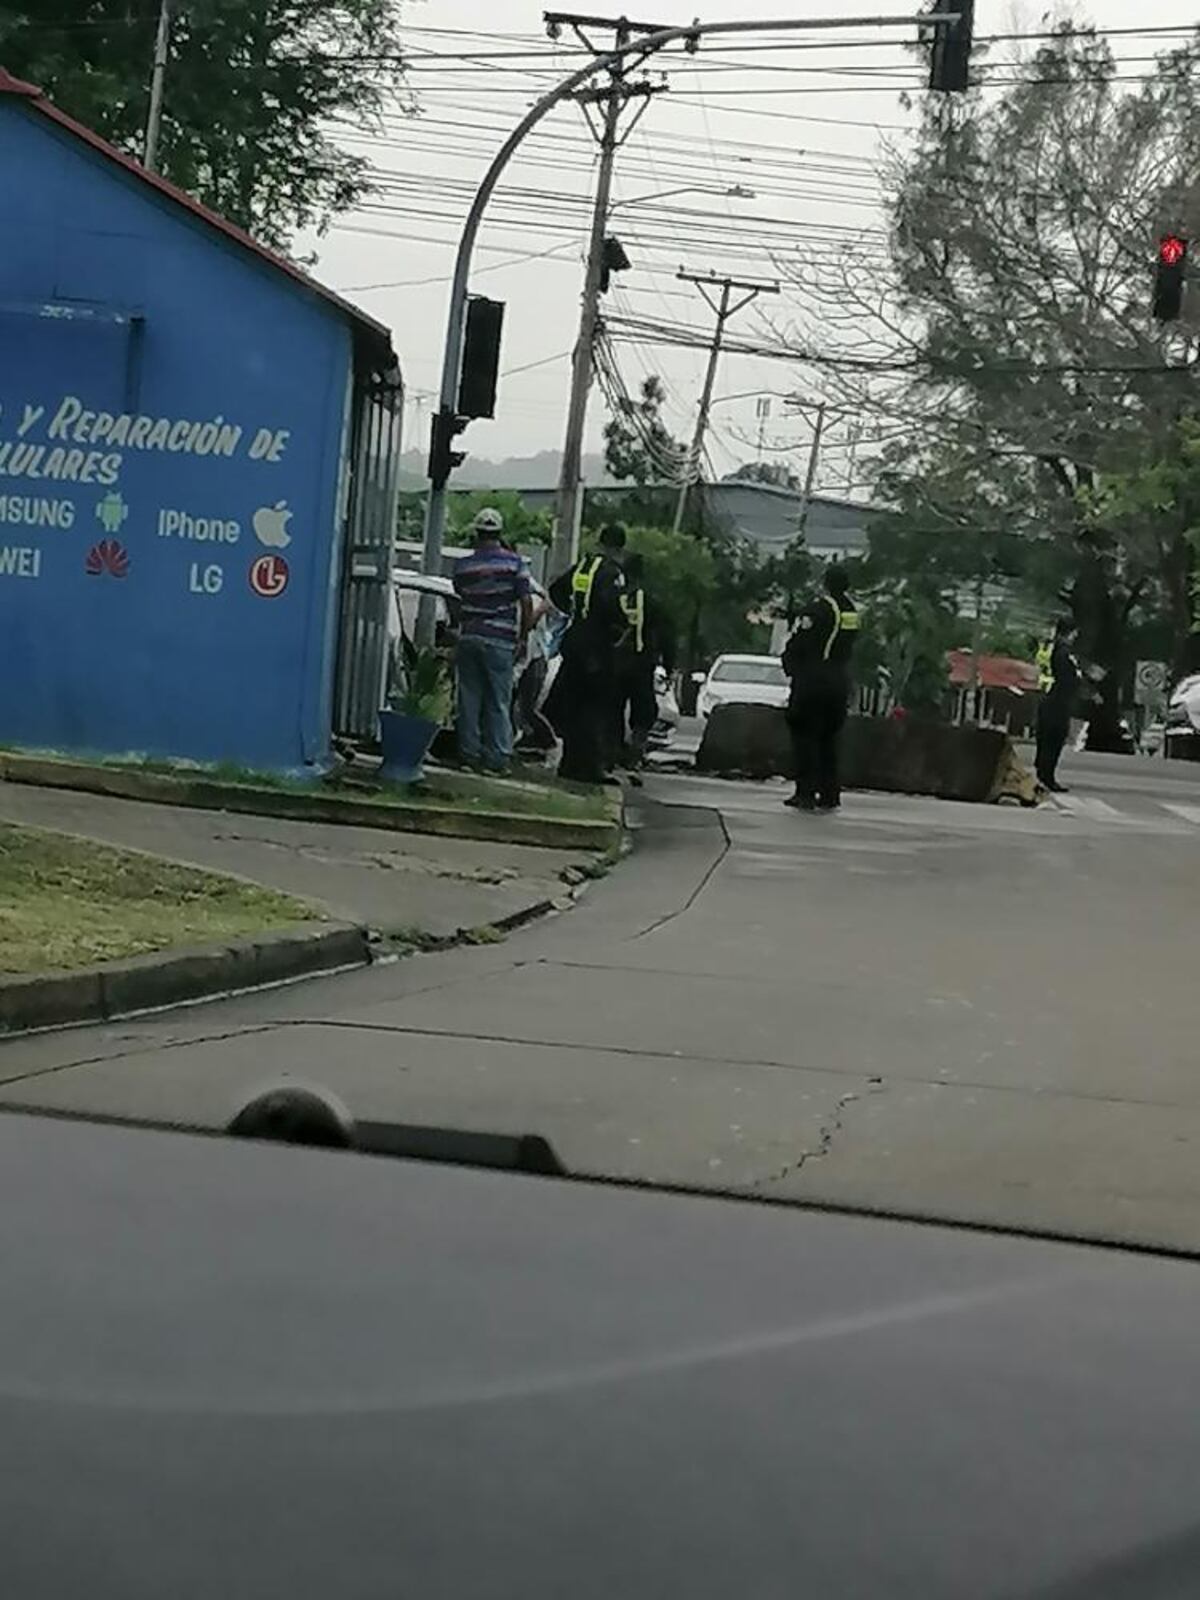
x: 73, y: 425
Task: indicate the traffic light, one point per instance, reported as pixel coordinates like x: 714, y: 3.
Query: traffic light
x: 442, y: 458
x: 1169, y: 275
x: 481, y: 358
x: 950, y: 62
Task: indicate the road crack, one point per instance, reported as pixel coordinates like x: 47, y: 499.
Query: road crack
x: 826, y: 1134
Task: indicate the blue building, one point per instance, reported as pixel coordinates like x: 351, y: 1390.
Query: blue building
x: 197, y: 471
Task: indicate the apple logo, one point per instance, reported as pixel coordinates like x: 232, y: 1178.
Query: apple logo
x: 270, y: 525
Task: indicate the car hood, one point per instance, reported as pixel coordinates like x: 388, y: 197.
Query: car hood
x: 247, y: 1369
x: 748, y: 694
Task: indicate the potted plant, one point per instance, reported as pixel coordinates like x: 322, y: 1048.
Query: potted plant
x: 416, y: 709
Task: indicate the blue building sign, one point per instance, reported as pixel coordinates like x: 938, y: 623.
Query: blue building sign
x: 178, y: 413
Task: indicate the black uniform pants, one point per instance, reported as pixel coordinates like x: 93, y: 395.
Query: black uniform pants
x: 1053, y: 726
x: 816, y: 716
x: 635, y: 708
x: 582, y: 713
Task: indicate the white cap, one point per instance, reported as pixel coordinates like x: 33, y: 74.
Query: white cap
x: 489, y: 521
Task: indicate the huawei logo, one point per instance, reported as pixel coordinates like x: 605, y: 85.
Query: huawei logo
x: 110, y: 556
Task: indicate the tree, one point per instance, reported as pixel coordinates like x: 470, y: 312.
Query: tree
x: 522, y: 524
x: 681, y: 573
x: 775, y: 474
x: 1160, y: 499
x: 638, y: 446
x: 252, y: 92
x: 1005, y: 340
x: 907, y: 630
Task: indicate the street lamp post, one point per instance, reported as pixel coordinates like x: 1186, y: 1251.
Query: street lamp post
x: 648, y: 44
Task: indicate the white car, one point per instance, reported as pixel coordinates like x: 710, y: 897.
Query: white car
x: 1183, y: 710
x: 744, y: 681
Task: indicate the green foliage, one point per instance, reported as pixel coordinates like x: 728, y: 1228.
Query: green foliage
x: 426, y: 690
x: 681, y: 572
x: 1011, y: 332
x: 1155, y: 501
x: 906, y: 631
x: 637, y: 444
x: 252, y: 92
x: 719, y: 619
x: 522, y: 525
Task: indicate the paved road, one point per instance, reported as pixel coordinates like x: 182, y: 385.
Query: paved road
x: 964, y: 1012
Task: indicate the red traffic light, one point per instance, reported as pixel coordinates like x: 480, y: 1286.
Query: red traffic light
x: 1172, y: 250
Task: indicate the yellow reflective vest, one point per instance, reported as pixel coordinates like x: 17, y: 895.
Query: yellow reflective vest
x: 634, y: 607
x: 843, y: 622
x: 581, y: 585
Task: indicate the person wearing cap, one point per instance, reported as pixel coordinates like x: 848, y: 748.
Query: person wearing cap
x: 817, y: 660
x: 590, y: 594
x: 495, y: 606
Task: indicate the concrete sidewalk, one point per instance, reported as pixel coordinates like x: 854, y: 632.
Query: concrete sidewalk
x: 395, y: 883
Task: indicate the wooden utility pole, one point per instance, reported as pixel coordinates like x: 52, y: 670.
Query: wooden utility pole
x: 162, y: 44
x: 608, y: 135
x: 723, y: 309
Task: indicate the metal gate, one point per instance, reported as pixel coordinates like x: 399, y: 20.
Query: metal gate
x: 367, y: 563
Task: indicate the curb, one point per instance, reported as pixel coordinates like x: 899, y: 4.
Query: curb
x: 154, y: 982
x: 206, y: 794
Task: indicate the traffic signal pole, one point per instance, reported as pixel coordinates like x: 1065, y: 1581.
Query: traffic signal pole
x: 633, y: 52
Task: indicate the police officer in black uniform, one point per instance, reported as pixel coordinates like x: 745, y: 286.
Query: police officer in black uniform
x: 1058, y: 679
x: 582, y: 697
x: 648, y: 640
x: 817, y: 660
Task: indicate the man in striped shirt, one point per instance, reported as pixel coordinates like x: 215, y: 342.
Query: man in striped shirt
x: 494, y: 594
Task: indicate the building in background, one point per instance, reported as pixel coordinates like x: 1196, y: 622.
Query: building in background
x: 765, y: 516
x: 197, y: 471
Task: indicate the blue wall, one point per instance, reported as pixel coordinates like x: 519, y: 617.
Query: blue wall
x: 166, y: 587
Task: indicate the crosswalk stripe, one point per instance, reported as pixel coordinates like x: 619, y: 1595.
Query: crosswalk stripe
x: 1086, y: 805
x: 1188, y: 813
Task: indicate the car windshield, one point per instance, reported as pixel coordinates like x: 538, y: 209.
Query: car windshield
x: 764, y: 671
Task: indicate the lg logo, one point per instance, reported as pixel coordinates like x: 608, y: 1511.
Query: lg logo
x: 269, y: 576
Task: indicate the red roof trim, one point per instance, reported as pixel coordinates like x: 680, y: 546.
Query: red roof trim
x: 995, y: 672
x: 27, y: 91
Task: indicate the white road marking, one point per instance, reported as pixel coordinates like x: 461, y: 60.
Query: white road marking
x: 1086, y: 805
x: 1188, y: 813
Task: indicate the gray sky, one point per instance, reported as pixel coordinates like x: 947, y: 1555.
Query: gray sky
x: 799, y: 128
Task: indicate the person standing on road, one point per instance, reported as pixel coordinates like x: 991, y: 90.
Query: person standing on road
x: 1058, y: 679
x: 493, y: 589
x: 590, y: 593
x: 817, y: 660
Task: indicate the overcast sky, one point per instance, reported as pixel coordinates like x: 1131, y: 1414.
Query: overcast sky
x: 796, y: 131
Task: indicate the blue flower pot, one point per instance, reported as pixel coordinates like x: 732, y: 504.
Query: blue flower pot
x: 405, y: 741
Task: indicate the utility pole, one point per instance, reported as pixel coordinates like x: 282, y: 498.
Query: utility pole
x: 445, y: 420
x: 162, y: 41
x: 810, y: 477
x: 614, y: 98
x: 763, y: 410
x: 723, y: 309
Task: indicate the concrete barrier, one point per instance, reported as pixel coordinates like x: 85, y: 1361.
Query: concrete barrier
x: 901, y: 757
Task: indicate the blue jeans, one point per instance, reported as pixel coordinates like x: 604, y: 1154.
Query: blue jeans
x: 485, y: 686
